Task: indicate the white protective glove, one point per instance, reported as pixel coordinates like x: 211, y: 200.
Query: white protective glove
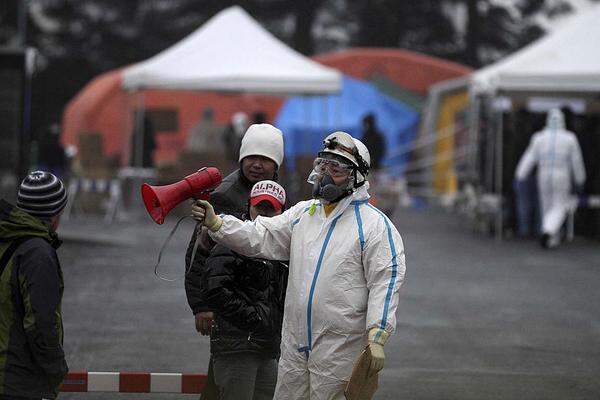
x: 377, y: 339
x: 204, y: 213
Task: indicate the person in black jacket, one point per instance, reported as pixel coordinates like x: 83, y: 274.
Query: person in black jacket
x: 32, y: 360
x: 260, y: 157
x: 374, y: 140
x: 247, y: 296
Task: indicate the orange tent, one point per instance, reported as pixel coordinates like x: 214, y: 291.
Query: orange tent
x: 103, y: 107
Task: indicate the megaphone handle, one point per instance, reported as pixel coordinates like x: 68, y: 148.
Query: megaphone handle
x: 205, y: 195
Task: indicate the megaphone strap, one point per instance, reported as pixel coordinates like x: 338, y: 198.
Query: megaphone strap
x: 160, y: 253
x: 194, y: 250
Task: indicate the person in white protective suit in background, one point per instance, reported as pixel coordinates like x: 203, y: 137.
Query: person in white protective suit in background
x: 556, y: 153
x: 346, y: 267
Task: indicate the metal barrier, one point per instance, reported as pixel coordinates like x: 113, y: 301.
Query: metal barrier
x: 112, y: 189
x: 109, y: 187
x: 133, y: 382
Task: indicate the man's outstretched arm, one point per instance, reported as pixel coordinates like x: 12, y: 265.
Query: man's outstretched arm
x: 267, y: 238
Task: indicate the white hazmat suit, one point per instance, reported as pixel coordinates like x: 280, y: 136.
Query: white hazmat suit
x: 345, y: 273
x: 556, y: 153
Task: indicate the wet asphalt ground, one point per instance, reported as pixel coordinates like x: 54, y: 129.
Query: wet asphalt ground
x: 478, y: 319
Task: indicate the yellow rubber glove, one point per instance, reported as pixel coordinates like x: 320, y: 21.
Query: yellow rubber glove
x: 204, y: 213
x: 377, y: 339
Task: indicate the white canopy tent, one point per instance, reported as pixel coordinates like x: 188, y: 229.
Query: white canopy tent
x: 556, y: 70
x: 229, y: 53
x: 565, y: 61
x: 232, y: 52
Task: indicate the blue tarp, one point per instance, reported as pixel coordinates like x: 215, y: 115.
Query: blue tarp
x: 306, y: 121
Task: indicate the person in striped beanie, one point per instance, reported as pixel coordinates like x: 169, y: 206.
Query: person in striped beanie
x: 32, y: 360
x: 42, y: 195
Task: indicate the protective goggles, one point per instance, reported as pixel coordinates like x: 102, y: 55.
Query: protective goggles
x: 334, y: 168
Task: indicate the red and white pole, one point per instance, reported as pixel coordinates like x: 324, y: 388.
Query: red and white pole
x: 133, y: 382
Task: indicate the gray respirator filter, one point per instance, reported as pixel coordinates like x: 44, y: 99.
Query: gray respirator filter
x: 327, y: 190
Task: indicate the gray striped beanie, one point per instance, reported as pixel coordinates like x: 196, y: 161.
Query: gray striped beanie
x: 42, y: 195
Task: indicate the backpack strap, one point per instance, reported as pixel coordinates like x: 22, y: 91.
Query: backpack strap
x: 8, y: 253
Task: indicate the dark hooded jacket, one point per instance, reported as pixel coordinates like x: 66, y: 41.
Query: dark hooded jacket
x: 247, y: 296
x: 374, y: 140
x: 32, y: 361
x: 231, y: 197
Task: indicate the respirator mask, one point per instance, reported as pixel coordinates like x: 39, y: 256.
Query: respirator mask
x: 322, y: 178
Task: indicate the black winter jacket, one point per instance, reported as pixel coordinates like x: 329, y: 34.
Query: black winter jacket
x: 247, y: 296
x: 32, y: 361
x: 230, y: 197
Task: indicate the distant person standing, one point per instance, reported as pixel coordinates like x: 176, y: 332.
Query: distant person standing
x: 556, y: 153
x: 233, y: 135
x: 148, y: 144
x: 374, y: 140
x: 52, y: 157
x: 259, y: 117
x: 32, y: 361
x: 205, y: 136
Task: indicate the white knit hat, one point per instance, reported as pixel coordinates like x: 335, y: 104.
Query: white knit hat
x: 263, y: 140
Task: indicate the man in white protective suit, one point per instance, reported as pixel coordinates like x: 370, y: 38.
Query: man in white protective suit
x: 556, y: 153
x: 346, y: 267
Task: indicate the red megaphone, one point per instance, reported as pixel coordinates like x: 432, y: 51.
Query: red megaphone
x: 159, y: 200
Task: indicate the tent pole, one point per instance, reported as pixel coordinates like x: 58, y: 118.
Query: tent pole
x: 473, y: 137
x: 129, y: 130
x: 139, y: 130
x: 489, y: 148
x: 499, y: 174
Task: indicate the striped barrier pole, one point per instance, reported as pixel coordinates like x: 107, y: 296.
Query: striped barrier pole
x: 133, y: 382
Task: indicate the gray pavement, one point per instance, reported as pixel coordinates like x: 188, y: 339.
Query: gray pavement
x: 478, y: 319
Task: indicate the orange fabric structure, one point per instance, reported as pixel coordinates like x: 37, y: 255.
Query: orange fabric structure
x: 102, y: 107
x: 411, y: 71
